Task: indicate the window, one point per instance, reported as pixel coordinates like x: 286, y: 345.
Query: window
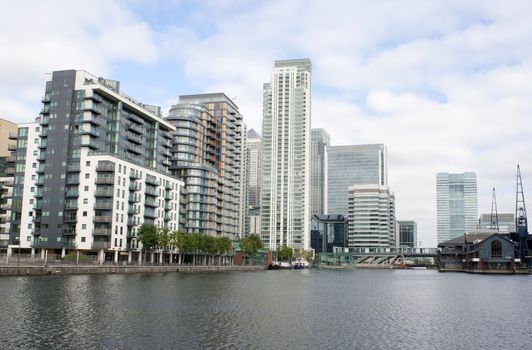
x: 87, y: 175
x: 82, y: 239
x: 84, y: 226
x: 85, y: 201
x: 84, y: 213
x: 496, y: 249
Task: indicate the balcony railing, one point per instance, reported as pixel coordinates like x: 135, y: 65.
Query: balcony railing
x: 105, y: 180
x: 102, y: 218
x: 105, y: 167
x: 100, y: 245
x: 101, y: 232
x: 104, y: 193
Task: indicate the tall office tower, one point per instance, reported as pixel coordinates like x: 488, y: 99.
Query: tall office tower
x: 91, y: 170
x: 254, y: 148
x: 208, y: 154
x: 505, y: 222
x: 353, y: 165
x: 285, y: 190
x: 406, y: 234
x: 457, y: 211
x: 319, y: 141
x: 371, y: 217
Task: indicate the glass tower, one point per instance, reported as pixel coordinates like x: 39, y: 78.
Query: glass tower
x: 319, y: 141
x: 353, y: 165
x: 456, y: 196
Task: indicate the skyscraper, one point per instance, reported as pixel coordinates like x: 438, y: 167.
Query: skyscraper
x: 254, y: 172
x: 91, y: 170
x: 208, y: 153
x: 457, y: 211
x: 285, y: 190
x: 371, y: 217
x: 319, y: 141
x: 353, y: 165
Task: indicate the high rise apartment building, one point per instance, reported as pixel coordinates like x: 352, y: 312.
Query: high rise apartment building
x: 319, y: 141
x: 457, y: 211
x: 285, y: 190
x: 371, y: 217
x: 209, y: 155
x: 92, y: 169
x: 353, y: 165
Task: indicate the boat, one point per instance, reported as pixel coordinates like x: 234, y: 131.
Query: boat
x: 276, y: 265
x: 300, y: 263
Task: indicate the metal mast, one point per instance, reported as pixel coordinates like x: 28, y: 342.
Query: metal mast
x: 494, y: 218
x: 521, y: 225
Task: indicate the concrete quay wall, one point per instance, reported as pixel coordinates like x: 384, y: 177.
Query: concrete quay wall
x: 81, y: 270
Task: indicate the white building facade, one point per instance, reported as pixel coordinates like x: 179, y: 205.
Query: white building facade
x: 371, y: 217
x: 286, y: 125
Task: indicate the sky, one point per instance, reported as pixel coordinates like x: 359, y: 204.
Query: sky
x: 445, y: 85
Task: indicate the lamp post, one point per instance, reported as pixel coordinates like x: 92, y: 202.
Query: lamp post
x: 18, y: 253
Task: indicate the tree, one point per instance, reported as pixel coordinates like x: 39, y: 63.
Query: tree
x: 285, y: 253
x: 302, y: 253
x: 250, y: 245
x: 164, y: 239
x: 149, y: 237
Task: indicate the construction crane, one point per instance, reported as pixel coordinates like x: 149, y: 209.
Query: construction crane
x: 494, y: 218
x: 521, y: 225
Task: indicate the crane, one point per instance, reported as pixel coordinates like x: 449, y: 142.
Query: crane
x: 494, y: 219
x: 521, y: 224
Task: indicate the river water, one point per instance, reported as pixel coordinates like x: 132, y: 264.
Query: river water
x: 311, y: 309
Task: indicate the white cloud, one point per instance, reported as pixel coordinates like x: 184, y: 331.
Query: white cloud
x: 38, y: 37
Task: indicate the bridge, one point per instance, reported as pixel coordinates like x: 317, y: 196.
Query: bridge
x: 378, y: 257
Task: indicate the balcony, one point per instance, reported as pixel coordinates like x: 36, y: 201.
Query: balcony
x: 134, y: 198
x: 100, y: 245
x: 150, y: 203
x: 168, y: 196
x: 103, y: 205
x: 44, y: 120
x: 102, y: 218
x: 45, y: 109
x: 71, y: 205
x: 134, y: 137
x: 9, y: 171
x: 90, y: 131
x: 13, y: 136
x: 109, y: 167
x: 70, y: 217
x: 72, y: 180
x: 40, y: 169
x: 135, y: 186
x: 167, y: 217
x: 168, y: 206
x: 93, y: 96
x: 91, y: 106
x: 12, y: 147
x: 136, y: 128
x: 91, y: 119
x: 104, y: 193
x: 150, y: 214
x: 42, y: 156
x: 36, y: 232
x: 109, y: 180
x: 37, y: 218
x: 69, y: 232
x: 131, y: 221
x: 133, y: 210
x: 42, y: 144
x: 150, y: 191
x: 134, y: 148
x: 72, y: 193
x: 101, y: 232
x: 152, y: 180
x: 73, y: 168
x: 91, y: 143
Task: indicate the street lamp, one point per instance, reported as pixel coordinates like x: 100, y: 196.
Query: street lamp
x: 18, y: 253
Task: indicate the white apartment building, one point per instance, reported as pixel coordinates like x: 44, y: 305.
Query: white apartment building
x: 286, y: 125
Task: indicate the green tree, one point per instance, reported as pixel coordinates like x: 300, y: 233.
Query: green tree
x: 302, y: 253
x: 164, y: 239
x: 285, y: 253
x: 149, y: 238
x: 250, y: 245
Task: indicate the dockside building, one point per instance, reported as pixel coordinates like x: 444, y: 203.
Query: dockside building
x: 91, y: 169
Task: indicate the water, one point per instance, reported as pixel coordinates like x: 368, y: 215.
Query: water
x: 361, y: 309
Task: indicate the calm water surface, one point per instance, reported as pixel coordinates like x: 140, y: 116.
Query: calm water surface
x: 361, y: 309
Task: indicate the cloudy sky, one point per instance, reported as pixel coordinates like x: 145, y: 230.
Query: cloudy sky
x: 446, y: 85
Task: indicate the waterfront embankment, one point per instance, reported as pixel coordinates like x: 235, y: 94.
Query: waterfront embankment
x: 114, y: 269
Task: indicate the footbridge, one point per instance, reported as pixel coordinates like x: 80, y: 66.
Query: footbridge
x: 379, y: 257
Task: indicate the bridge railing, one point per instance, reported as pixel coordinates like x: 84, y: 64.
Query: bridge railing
x: 394, y: 251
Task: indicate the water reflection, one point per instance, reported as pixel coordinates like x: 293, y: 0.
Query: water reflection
x: 276, y: 309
